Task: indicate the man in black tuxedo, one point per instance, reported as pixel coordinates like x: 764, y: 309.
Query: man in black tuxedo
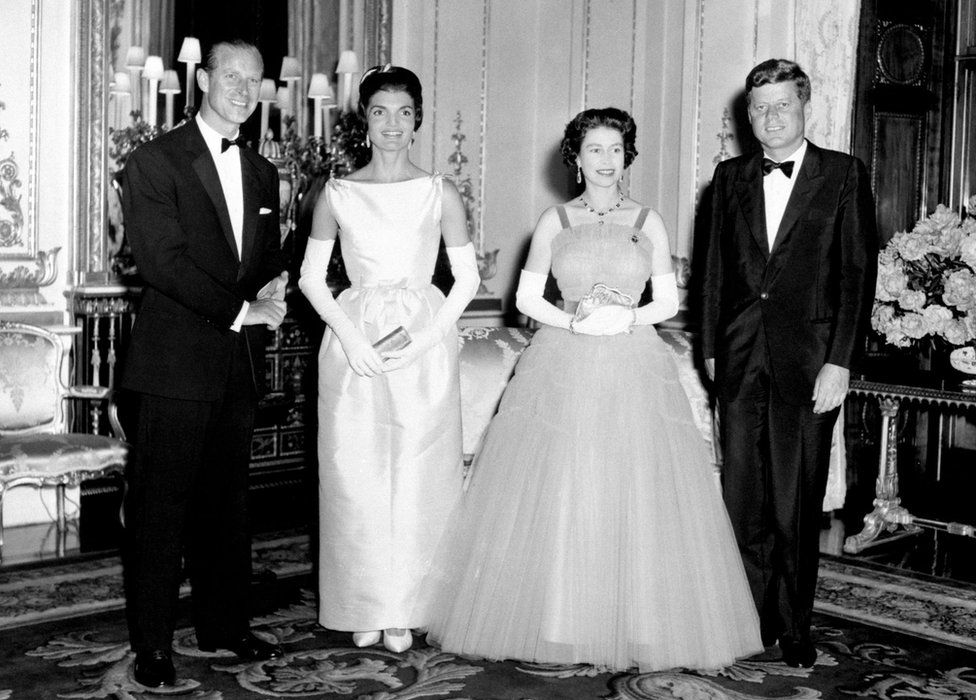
x: 787, y: 290
x: 201, y: 214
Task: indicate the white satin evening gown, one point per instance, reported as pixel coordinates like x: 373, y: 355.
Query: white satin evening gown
x: 389, y: 447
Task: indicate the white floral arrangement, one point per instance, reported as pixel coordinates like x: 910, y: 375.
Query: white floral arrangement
x: 926, y: 292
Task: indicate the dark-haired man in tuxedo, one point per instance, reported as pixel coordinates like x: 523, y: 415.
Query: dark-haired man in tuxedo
x: 787, y: 290
x: 201, y: 214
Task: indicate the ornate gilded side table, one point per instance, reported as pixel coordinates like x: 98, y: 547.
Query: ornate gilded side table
x: 888, y: 514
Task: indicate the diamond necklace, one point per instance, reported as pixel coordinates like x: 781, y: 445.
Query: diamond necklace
x: 603, y: 213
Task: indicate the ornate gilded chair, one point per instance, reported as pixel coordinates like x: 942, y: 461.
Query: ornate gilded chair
x: 36, y: 447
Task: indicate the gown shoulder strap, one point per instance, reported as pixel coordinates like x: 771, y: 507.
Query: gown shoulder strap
x: 563, y: 219
x: 641, y: 218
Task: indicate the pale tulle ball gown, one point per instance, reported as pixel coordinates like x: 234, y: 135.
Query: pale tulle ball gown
x: 389, y: 447
x: 593, y: 530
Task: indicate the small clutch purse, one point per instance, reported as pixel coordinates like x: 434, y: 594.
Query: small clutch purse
x: 601, y: 295
x: 397, y: 339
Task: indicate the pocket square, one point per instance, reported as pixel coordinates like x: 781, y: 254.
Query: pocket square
x: 264, y: 210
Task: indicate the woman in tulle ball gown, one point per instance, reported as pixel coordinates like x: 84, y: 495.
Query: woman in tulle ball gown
x: 593, y: 530
x: 389, y: 433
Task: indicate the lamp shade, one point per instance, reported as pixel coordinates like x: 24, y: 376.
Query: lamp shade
x: 290, y: 70
x: 268, y: 92
x: 190, y: 50
x: 153, y: 70
x: 348, y: 62
x: 319, y: 87
x: 120, y: 84
x: 170, y: 84
x: 135, y: 57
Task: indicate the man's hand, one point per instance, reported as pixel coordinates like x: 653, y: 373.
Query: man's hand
x: 830, y: 389
x: 267, y: 311
x: 275, y: 289
x: 710, y: 368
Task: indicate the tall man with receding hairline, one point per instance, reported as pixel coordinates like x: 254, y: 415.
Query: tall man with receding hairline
x: 201, y: 214
x: 788, y: 286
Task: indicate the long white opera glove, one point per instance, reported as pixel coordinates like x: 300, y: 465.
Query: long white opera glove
x: 464, y: 267
x: 610, y: 320
x: 360, y: 354
x: 665, y: 304
x: 530, y: 301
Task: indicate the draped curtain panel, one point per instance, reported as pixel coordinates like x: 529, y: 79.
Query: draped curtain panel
x: 826, y: 43
x: 826, y: 46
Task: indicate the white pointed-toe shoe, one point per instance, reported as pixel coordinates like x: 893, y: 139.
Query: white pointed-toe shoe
x: 366, y: 639
x: 397, y: 640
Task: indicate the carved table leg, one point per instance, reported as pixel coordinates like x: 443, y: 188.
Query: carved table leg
x: 888, y: 512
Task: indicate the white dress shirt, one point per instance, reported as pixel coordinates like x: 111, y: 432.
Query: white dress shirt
x: 777, y: 189
x: 229, y: 171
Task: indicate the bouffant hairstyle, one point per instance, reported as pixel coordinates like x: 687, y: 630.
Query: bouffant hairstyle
x: 610, y: 117
x: 779, y: 70
x: 391, y: 79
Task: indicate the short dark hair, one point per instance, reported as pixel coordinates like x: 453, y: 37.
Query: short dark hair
x: 213, y: 55
x: 609, y: 117
x: 779, y: 70
x: 392, y: 79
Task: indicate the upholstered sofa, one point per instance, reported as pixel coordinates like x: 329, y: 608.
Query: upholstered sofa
x: 488, y: 356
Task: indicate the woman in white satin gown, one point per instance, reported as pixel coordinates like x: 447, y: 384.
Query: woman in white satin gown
x: 389, y: 434
x: 592, y: 530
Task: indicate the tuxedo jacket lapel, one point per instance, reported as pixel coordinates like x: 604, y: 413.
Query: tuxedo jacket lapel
x: 206, y: 170
x: 252, y: 190
x: 749, y: 189
x: 808, y: 181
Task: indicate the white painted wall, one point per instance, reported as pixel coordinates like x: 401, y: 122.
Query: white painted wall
x: 518, y: 72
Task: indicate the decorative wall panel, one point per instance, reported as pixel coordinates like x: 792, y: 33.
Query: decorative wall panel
x: 18, y: 130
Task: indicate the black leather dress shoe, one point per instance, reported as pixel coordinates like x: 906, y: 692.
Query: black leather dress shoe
x: 248, y: 647
x: 798, y: 654
x: 154, y: 669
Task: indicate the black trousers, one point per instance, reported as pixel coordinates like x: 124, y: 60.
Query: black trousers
x: 187, y: 502
x: 774, y: 476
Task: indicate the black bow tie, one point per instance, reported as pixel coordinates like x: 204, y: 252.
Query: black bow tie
x: 239, y: 142
x: 769, y: 166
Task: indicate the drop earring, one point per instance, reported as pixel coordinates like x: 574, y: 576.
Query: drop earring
x: 368, y: 142
x: 579, y: 174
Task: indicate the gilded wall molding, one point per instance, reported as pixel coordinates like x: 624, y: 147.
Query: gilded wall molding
x: 433, y: 91
x: 90, y: 146
x: 587, y: 23
x: 633, y: 58
x: 378, y: 34
x: 698, y: 100
x: 483, y: 131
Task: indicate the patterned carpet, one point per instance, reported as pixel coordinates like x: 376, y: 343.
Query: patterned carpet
x: 880, y: 635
